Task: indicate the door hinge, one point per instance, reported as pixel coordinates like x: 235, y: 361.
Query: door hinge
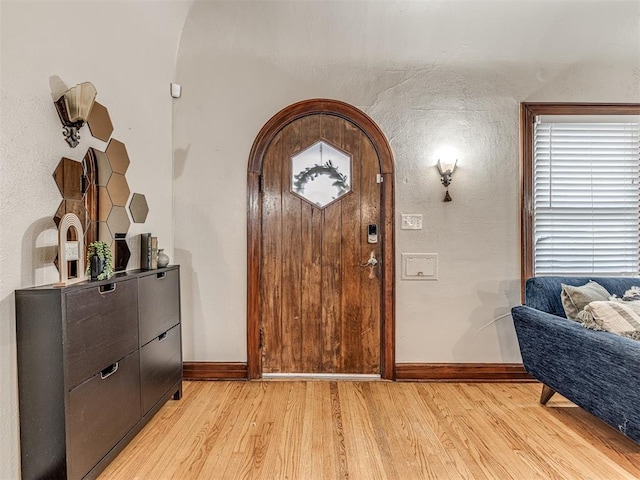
x: 260, y: 184
x: 379, y: 178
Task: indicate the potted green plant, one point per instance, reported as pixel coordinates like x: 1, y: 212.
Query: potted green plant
x: 99, y: 261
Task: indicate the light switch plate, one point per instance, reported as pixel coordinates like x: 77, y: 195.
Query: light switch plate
x: 419, y: 266
x: 411, y: 221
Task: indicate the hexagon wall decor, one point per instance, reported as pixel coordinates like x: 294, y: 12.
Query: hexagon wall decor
x: 103, y: 166
x: 118, y: 189
x: 118, y: 156
x: 138, y: 208
x: 68, y: 176
x: 72, y: 206
x: 73, y: 181
x: 99, y: 122
x: 104, y: 204
x: 104, y: 235
x: 118, y: 221
x: 123, y: 254
x: 97, y: 191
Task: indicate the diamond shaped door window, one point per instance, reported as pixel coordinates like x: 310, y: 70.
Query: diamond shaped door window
x: 321, y: 174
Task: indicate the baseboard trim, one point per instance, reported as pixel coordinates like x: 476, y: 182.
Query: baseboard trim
x: 214, y: 371
x: 407, y: 372
x: 462, y: 372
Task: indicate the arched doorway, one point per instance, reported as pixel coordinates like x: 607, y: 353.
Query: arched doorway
x: 321, y: 282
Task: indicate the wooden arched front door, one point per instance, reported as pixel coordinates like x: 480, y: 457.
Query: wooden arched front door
x: 320, y: 244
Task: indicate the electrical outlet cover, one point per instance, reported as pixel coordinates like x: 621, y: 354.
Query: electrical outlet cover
x: 419, y: 266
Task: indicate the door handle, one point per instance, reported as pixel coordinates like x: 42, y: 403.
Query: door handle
x: 371, y: 262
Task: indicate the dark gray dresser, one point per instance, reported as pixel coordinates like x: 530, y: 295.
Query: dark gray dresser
x: 96, y: 360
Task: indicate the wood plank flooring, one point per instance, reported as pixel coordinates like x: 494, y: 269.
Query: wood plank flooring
x: 308, y: 430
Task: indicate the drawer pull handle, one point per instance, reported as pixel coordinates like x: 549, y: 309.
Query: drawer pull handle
x: 108, y: 288
x: 161, y: 275
x: 110, y: 370
x: 162, y: 336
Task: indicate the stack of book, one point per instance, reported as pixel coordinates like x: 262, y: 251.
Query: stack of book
x: 148, y: 251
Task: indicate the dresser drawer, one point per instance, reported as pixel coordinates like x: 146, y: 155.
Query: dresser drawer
x: 160, y: 366
x: 159, y: 303
x: 101, y: 327
x: 101, y: 411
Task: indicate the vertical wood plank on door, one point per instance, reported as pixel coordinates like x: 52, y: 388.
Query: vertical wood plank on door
x: 311, y: 231
x: 331, y: 288
x: 352, y: 256
x: 291, y: 350
x: 332, y: 266
x: 254, y: 301
x: 311, y: 289
x: 271, y: 282
x: 370, y: 291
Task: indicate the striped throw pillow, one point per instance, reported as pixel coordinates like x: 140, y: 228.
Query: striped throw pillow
x: 621, y: 318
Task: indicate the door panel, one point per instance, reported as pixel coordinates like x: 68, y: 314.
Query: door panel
x: 370, y: 303
x: 320, y: 310
x: 271, y: 271
x: 309, y: 130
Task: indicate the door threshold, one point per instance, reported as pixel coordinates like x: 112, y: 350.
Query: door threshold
x: 356, y: 377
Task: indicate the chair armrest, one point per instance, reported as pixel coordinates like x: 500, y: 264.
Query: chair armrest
x: 598, y: 371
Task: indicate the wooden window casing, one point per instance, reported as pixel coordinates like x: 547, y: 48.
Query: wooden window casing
x: 528, y: 114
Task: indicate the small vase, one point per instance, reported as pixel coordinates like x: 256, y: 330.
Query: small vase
x: 163, y: 258
x: 96, y: 266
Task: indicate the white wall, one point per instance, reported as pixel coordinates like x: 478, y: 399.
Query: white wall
x: 128, y: 50
x: 430, y: 74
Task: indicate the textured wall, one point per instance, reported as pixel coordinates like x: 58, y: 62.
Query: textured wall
x: 430, y: 74
x: 128, y: 50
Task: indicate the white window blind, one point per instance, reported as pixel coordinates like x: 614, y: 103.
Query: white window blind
x: 586, y: 198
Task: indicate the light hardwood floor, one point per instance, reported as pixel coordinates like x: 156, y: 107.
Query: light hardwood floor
x: 330, y: 430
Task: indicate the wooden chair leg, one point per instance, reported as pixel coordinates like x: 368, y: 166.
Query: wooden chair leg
x: 546, y: 395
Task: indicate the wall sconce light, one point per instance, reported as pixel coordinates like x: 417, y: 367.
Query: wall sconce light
x: 446, y: 170
x: 74, y: 107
